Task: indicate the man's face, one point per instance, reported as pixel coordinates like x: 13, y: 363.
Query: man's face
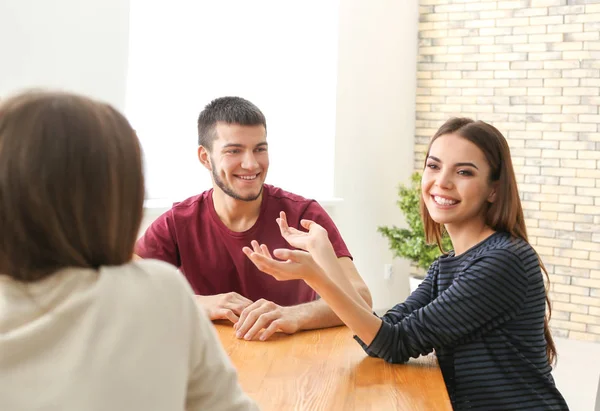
x: 238, y: 161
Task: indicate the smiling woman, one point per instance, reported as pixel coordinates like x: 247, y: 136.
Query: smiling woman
x: 481, y: 306
x: 454, y: 191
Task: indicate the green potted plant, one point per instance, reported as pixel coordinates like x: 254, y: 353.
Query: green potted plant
x: 410, y: 242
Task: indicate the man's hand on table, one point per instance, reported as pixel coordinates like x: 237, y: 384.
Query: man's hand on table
x: 269, y: 316
x: 226, y: 306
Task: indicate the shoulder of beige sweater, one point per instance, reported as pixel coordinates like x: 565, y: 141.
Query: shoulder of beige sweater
x: 155, y: 274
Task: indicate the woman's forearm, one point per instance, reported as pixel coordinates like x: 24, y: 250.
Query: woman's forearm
x: 330, y: 264
x: 354, y: 312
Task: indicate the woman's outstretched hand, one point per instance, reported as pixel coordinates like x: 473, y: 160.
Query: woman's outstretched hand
x: 294, y: 264
x: 314, y: 239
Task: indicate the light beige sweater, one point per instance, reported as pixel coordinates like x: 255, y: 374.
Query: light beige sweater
x: 120, y: 338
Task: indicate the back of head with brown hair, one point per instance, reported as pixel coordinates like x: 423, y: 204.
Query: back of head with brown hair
x: 505, y: 213
x: 71, y: 185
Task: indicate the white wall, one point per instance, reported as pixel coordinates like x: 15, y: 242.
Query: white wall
x: 375, y: 133
x: 192, y: 59
x: 75, y: 45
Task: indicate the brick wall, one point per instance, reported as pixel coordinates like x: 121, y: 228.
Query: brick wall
x: 532, y: 69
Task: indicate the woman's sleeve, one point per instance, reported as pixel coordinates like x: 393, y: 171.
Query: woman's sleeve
x: 488, y: 293
x: 419, y: 298
x: 213, y: 382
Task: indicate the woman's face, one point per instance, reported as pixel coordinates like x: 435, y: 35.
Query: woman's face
x: 455, y: 185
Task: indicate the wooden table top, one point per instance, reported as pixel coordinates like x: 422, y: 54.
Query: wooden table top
x: 327, y: 370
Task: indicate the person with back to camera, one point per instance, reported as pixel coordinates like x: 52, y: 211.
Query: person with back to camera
x: 204, y: 235
x: 82, y: 327
x: 481, y: 306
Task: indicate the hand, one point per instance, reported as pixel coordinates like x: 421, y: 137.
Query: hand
x: 267, y: 316
x: 226, y: 306
x: 296, y: 264
x: 315, y: 238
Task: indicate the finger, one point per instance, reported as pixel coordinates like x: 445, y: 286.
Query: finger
x: 247, y: 311
x: 234, y: 302
x: 295, y: 256
x: 263, y: 263
x: 295, y: 231
x: 263, y: 321
x: 255, y: 246
x: 283, y: 217
x: 280, y: 270
x: 224, y: 314
x: 247, y: 250
x: 243, y: 316
x: 230, y: 315
x: 269, y: 331
x: 259, y: 260
x: 283, y: 227
x: 260, y: 249
x: 236, y: 308
x: 233, y: 297
x: 283, y: 222
x: 265, y: 251
x: 240, y: 299
x: 308, y: 223
x: 249, y: 317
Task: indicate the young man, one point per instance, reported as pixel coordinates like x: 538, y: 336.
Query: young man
x: 204, y: 235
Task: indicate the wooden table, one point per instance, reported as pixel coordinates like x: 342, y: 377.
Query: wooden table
x: 327, y: 370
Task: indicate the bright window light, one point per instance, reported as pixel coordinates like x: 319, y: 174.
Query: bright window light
x: 280, y: 55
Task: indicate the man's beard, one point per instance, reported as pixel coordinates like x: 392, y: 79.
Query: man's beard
x: 229, y: 191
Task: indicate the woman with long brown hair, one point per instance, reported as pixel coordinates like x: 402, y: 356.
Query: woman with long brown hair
x: 482, y: 306
x: 82, y: 327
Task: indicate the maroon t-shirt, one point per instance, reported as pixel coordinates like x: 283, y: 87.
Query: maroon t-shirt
x: 193, y: 238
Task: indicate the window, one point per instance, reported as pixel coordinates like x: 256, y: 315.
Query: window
x: 280, y: 55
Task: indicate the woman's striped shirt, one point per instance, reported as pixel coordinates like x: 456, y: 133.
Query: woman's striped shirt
x: 483, y: 313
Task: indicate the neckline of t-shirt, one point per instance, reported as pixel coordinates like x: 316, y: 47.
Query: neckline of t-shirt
x: 239, y: 234
x: 451, y: 257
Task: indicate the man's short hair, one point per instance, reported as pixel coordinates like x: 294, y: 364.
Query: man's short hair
x: 230, y: 110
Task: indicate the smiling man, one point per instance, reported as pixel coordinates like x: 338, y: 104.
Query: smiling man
x: 204, y: 235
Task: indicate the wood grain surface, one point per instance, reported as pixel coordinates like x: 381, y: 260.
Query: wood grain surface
x: 327, y: 370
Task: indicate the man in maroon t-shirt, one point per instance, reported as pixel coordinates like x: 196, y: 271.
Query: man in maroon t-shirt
x: 204, y: 235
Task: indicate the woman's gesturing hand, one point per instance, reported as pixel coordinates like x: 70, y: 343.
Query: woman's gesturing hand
x: 294, y: 264
x: 312, y: 240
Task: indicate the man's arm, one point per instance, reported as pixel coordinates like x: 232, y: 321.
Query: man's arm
x: 267, y: 315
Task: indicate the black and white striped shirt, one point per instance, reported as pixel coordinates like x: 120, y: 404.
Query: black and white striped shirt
x: 483, y: 313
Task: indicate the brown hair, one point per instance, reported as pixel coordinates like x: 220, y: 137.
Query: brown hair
x: 229, y: 110
x: 505, y: 213
x: 71, y: 185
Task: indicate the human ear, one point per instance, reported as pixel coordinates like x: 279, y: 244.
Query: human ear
x: 204, y: 157
x: 492, y: 196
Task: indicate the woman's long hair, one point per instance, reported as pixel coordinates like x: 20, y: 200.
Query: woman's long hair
x: 505, y: 213
x: 71, y: 185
